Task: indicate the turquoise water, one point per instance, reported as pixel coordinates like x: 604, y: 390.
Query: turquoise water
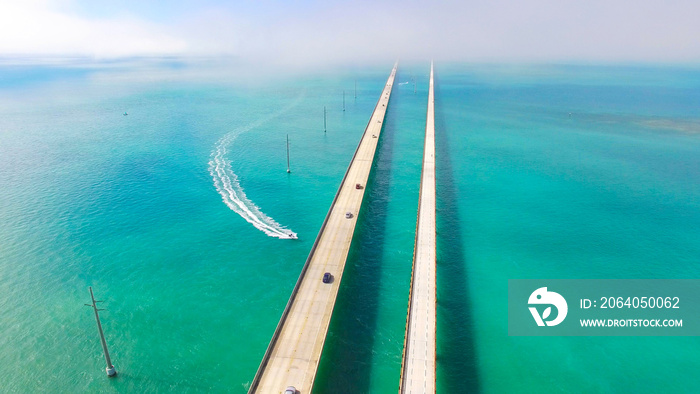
x: 543, y: 172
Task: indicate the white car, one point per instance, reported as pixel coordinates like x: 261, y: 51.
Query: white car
x: 290, y: 390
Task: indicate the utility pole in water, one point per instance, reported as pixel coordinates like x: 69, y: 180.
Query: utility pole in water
x: 343, y: 101
x: 324, y: 118
x: 288, y: 169
x: 111, y: 371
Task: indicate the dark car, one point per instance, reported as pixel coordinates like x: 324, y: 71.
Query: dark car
x: 327, y: 277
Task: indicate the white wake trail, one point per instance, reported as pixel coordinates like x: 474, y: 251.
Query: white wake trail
x: 228, y: 185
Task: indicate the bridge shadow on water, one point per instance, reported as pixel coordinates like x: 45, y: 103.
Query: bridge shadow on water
x: 346, y: 363
x: 457, y: 363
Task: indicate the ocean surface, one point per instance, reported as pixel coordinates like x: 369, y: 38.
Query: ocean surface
x: 176, y: 214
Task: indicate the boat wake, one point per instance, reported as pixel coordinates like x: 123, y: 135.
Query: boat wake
x: 228, y: 185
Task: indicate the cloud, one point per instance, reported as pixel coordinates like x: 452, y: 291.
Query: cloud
x: 37, y: 27
x: 494, y: 30
x: 312, y: 32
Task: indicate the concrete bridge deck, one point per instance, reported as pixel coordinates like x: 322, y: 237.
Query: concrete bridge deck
x: 294, y: 352
x: 418, y: 365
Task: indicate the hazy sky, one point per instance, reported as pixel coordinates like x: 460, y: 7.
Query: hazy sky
x: 310, y: 31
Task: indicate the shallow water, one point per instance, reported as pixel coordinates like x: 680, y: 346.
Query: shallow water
x: 543, y: 172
